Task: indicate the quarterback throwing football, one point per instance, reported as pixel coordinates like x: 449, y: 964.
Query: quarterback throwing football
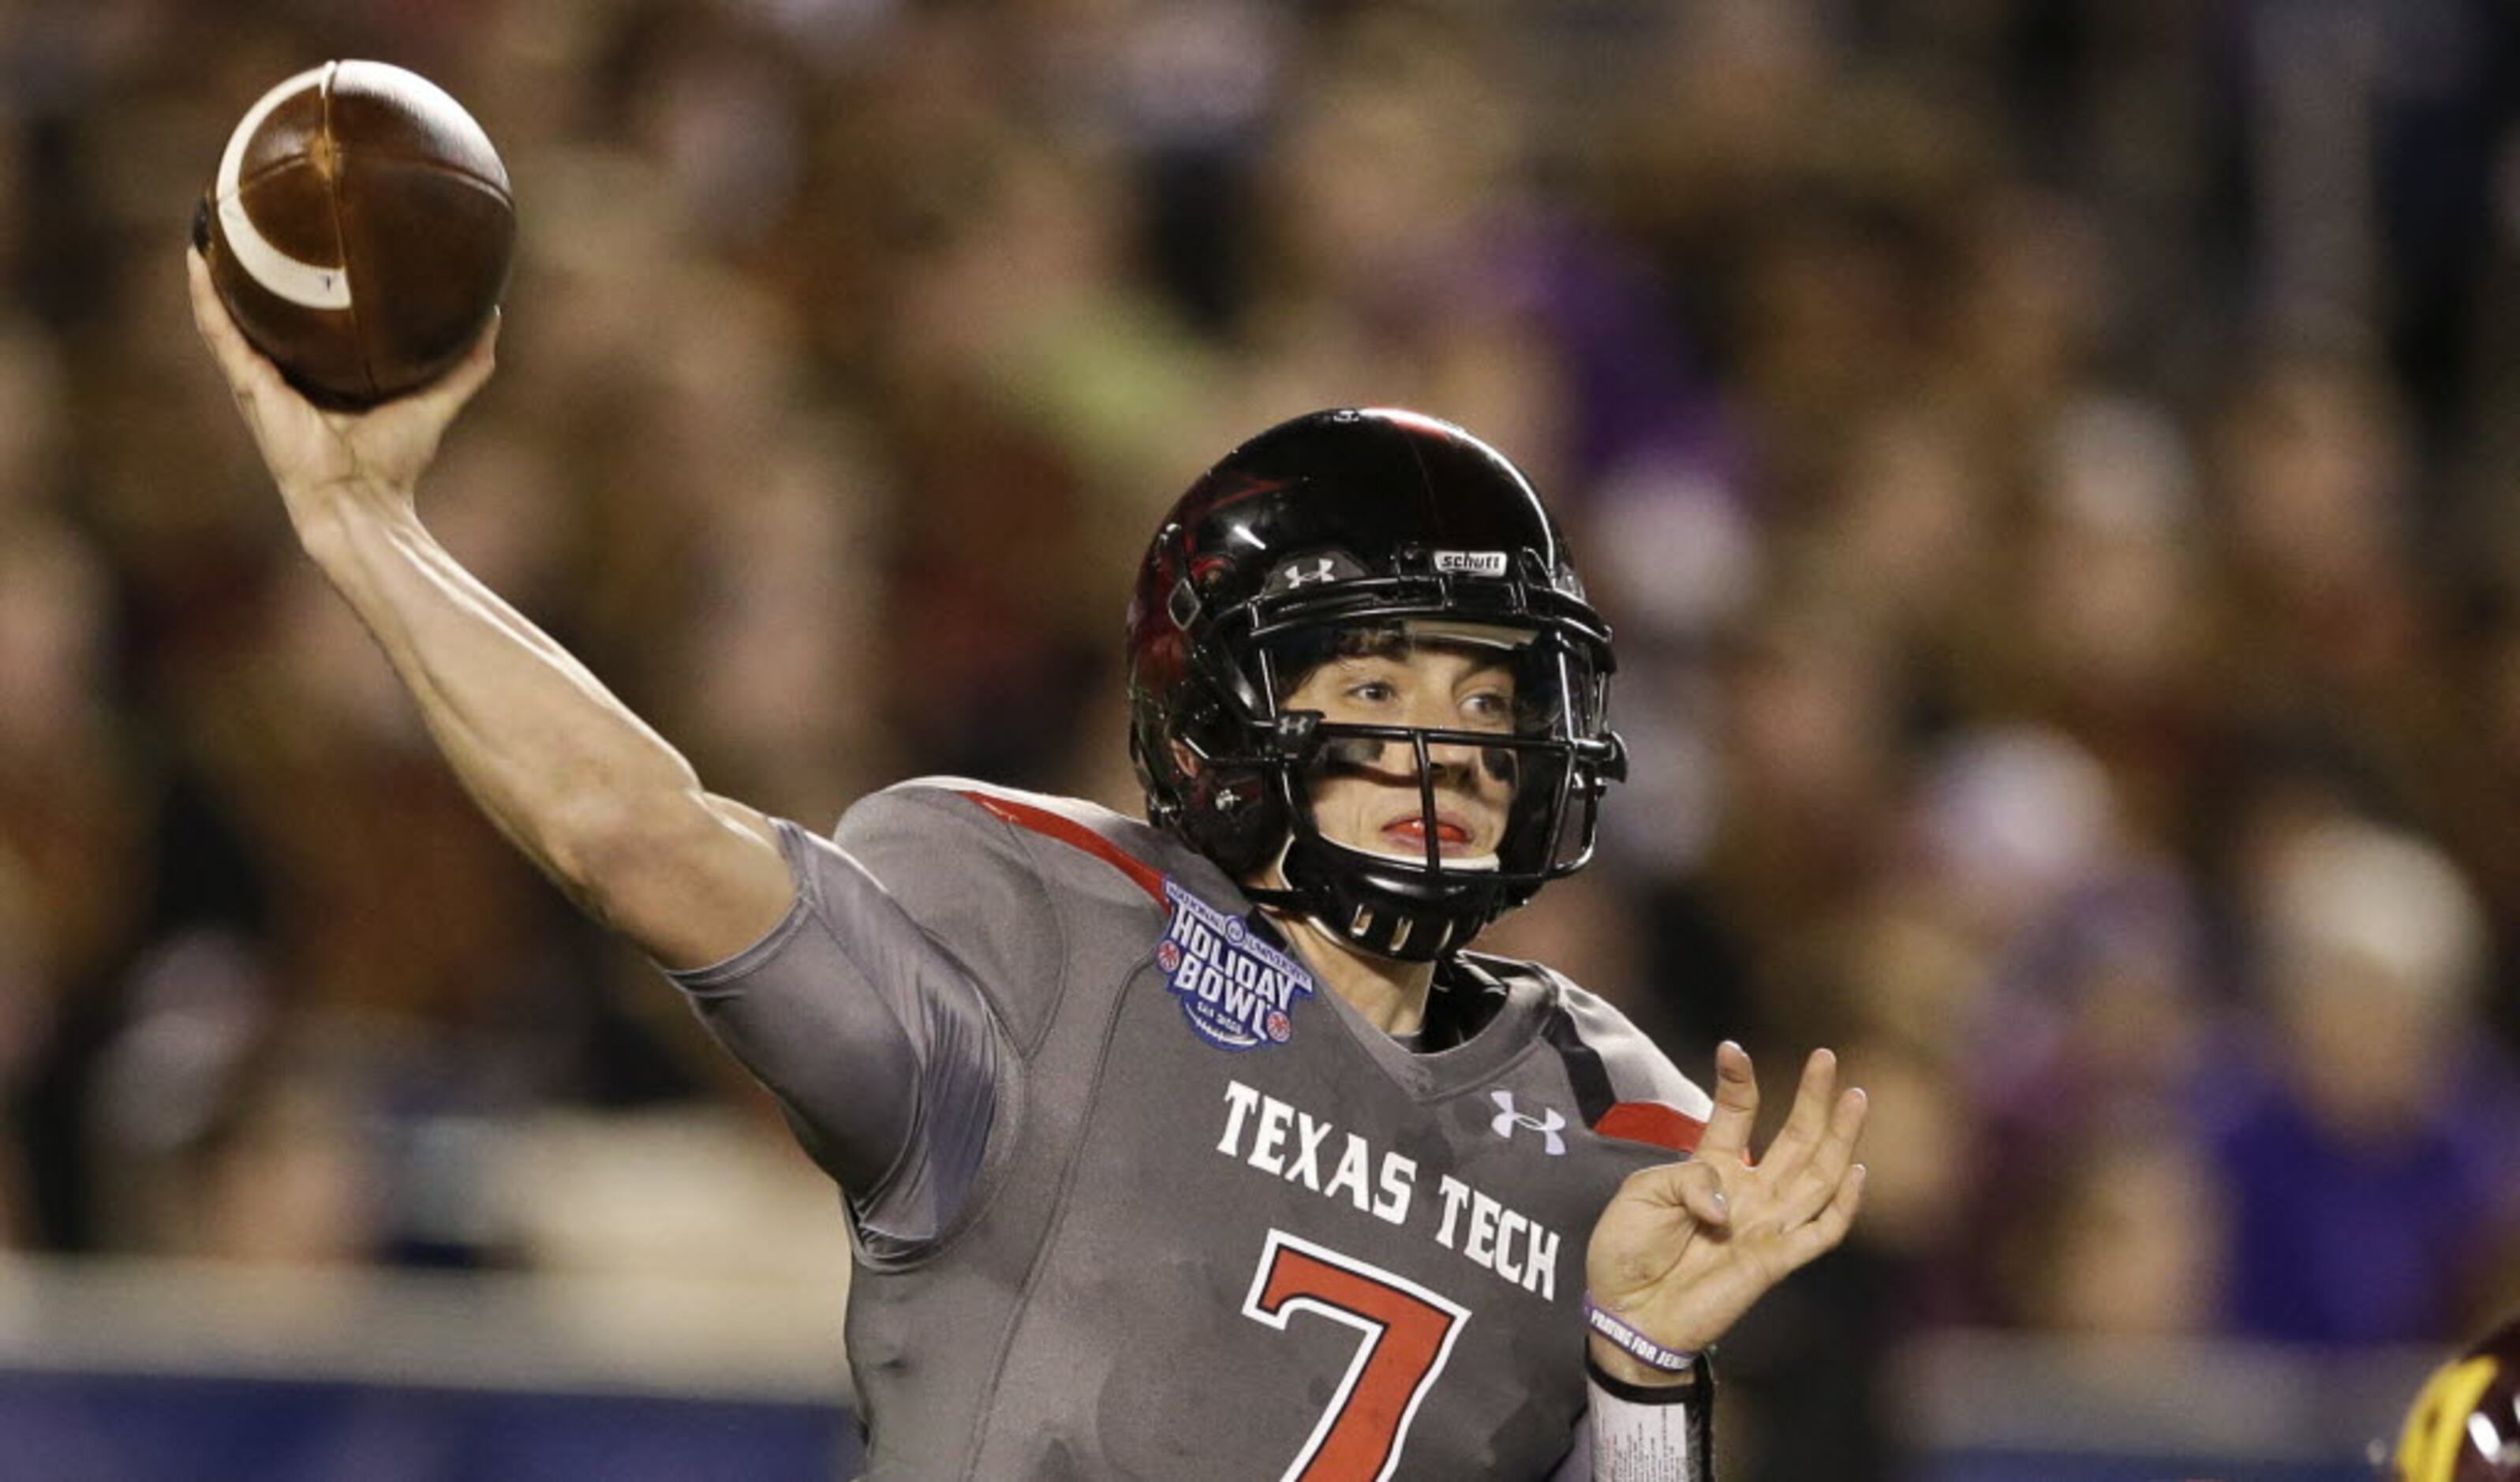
x: 1200, y: 1147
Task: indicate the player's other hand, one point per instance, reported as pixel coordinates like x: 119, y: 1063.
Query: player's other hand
x: 1685, y: 1248
x: 322, y: 459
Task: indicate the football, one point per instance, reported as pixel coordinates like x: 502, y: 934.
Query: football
x: 360, y: 230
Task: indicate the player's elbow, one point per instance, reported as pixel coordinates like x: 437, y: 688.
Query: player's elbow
x: 593, y: 842
x: 692, y: 878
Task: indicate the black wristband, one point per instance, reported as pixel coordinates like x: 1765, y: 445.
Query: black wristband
x: 1699, y: 1383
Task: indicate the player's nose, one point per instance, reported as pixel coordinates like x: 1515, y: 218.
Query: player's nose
x: 1451, y: 758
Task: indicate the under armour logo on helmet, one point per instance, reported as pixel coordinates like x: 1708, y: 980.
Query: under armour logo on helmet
x: 1314, y: 570
x: 1548, y: 1124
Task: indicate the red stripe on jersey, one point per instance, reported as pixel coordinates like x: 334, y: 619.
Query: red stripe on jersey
x: 1652, y: 1122
x: 1069, y: 832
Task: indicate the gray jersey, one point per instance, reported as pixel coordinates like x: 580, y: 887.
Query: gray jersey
x: 1134, y: 1196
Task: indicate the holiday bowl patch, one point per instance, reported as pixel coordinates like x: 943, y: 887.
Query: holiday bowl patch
x: 1237, y: 991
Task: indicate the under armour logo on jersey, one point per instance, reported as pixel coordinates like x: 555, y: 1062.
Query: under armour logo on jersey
x: 1548, y: 1124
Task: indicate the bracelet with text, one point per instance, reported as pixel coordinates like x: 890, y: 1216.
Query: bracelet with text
x: 1645, y: 1350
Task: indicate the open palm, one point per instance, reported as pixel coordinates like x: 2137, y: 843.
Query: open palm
x: 1685, y: 1248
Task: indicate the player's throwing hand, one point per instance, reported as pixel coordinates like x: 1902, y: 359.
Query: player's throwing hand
x: 317, y: 456
x: 1685, y: 1248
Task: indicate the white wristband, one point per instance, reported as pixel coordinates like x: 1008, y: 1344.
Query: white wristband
x: 1633, y: 1441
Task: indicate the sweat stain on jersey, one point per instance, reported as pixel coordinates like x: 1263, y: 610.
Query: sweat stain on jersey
x: 1236, y: 991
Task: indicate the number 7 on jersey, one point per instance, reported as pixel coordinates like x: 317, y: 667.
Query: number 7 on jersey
x: 1409, y: 1333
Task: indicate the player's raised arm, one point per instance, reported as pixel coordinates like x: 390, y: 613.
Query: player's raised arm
x: 588, y: 790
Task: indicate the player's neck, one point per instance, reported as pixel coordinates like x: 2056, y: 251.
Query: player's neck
x: 1391, y: 994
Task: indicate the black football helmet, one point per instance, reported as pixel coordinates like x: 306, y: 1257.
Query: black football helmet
x: 1348, y: 522
x: 2465, y: 1424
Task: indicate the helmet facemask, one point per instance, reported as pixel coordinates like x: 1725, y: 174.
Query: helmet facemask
x: 1410, y: 891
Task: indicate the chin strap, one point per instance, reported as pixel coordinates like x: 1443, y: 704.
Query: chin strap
x: 1368, y: 924
x: 1383, y: 933
x: 1390, y: 933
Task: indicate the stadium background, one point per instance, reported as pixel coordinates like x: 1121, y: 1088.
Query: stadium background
x: 2050, y: 462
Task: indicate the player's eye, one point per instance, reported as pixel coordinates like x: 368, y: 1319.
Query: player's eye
x: 1373, y: 692
x: 1489, y: 707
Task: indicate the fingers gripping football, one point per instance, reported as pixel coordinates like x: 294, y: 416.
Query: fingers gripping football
x: 316, y: 454
x: 1685, y: 1248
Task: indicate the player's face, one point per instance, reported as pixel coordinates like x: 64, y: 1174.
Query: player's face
x: 1367, y: 797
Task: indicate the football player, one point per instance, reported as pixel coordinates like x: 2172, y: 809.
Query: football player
x: 1199, y: 1147
x: 2464, y: 1426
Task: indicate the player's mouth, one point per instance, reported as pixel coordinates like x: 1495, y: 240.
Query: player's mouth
x: 1409, y: 833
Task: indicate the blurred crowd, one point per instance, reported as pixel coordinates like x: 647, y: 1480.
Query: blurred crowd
x: 2049, y: 464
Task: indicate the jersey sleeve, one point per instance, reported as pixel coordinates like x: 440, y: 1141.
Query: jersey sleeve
x: 873, y: 1034
x: 969, y: 884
